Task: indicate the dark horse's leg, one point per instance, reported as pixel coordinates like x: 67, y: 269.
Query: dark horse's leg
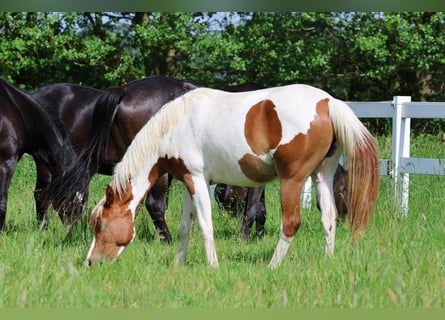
x: 233, y: 198
x: 6, y: 171
x: 255, y: 210
x: 156, y: 203
x: 42, y: 204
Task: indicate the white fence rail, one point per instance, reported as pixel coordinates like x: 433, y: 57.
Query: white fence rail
x: 401, y: 110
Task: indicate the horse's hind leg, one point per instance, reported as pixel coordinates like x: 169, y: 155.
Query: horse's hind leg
x: 324, y: 177
x: 291, y: 218
x: 156, y: 204
x: 260, y: 219
x: 255, y: 210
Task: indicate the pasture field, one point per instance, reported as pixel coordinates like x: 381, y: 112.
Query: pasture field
x: 399, y: 263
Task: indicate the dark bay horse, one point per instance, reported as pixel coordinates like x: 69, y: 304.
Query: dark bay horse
x: 117, y: 114
x: 25, y: 127
x: 209, y: 136
x: 101, y: 125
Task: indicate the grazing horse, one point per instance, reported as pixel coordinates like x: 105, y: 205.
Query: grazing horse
x: 25, y: 127
x: 101, y: 125
x: 210, y: 136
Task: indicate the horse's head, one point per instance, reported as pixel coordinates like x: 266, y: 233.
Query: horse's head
x: 71, y: 211
x: 113, y: 226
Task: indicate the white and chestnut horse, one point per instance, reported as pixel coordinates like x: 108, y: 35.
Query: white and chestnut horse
x: 210, y: 136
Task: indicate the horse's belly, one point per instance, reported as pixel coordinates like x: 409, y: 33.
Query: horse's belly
x: 248, y: 170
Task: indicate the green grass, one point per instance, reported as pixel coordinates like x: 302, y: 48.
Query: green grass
x: 400, y: 262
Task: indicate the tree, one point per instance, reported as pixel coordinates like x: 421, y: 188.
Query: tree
x: 41, y: 48
x: 355, y: 55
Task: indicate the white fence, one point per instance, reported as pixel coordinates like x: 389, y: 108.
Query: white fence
x: 401, y: 110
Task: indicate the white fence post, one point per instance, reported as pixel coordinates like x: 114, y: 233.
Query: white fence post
x: 400, y: 149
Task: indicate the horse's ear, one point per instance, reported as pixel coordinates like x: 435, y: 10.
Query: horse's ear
x: 109, y: 196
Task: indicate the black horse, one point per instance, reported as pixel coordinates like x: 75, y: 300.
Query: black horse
x: 25, y: 127
x: 102, y: 124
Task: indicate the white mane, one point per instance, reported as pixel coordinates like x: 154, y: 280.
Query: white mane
x: 144, y: 147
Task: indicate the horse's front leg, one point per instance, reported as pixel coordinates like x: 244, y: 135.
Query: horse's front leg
x: 202, y: 205
x: 42, y: 204
x: 6, y: 171
x: 156, y: 204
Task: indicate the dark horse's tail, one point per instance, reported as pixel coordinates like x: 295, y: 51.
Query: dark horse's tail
x: 104, y: 112
x: 69, y: 192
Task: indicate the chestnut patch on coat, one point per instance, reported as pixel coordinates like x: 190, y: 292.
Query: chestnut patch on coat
x: 305, y: 151
x: 262, y: 128
x: 262, y: 131
x: 256, y: 169
x: 176, y: 167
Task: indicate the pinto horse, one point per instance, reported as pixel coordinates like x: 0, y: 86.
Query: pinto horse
x: 101, y: 125
x: 25, y: 127
x: 210, y: 136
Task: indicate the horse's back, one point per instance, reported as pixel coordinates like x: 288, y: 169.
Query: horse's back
x: 257, y: 114
x: 65, y: 100
x: 70, y: 107
x: 240, y: 132
x: 142, y: 99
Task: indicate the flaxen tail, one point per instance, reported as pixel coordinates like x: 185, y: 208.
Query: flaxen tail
x: 360, y: 148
